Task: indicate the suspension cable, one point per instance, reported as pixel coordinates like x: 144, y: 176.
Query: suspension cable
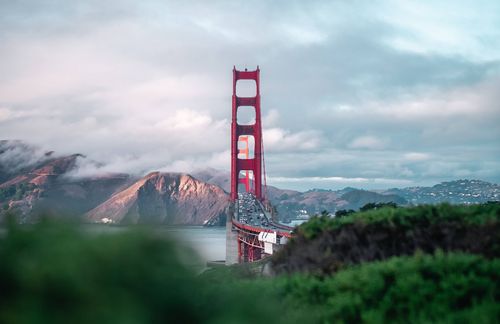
x: 264, y: 167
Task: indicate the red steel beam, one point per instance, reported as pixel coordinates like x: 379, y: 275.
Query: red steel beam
x: 260, y: 229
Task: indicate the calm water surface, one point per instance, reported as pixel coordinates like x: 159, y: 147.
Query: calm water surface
x: 208, y: 243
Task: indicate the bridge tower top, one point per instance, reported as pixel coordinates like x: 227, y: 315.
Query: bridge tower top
x: 240, y: 132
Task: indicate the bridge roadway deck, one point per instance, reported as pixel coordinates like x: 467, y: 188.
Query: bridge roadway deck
x: 244, y: 240
x: 250, y: 215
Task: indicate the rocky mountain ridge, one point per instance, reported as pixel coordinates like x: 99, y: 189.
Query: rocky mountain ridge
x: 164, y: 198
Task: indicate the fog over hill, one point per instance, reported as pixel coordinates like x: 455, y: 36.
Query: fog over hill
x: 33, y: 182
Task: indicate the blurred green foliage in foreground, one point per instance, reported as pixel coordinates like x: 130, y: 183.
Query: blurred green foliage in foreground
x: 453, y: 288
x: 59, y: 273
x: 54, y: 273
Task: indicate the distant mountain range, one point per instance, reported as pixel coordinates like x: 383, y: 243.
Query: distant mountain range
x: 455, y: 192
x: 293, y: 204
x: 34, y: 183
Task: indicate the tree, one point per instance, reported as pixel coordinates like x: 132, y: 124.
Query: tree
x: 343, y: 213
x: 370, y: 206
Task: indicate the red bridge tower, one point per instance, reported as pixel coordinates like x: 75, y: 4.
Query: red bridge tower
x: 240, y: 133
x: 248, y: 241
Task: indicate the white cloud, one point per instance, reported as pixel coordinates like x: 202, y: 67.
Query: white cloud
x: 469, y: 29
x: 16, y: 156
x: 476, y: 101
x: 271, y: 118
x: 185, y: 121
x: 416, y: 156
x: 367, y: 142
x: 4, y: 114
x: 280, y: 140
x: 336, y: 182
x: 302, y: 35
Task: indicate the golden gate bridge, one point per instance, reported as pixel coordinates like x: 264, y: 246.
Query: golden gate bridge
x: 252, y: 232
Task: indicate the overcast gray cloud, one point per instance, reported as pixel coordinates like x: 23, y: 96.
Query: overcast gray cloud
x: 354, y: 93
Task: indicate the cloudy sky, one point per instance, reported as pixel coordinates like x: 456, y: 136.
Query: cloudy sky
x: 371, y: 94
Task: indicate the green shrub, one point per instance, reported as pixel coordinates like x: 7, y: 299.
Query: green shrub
x: 344, y: 213
x: 324, y: 245
x: 429, y: 214
x: 454, y: 288
x: 371, y: 206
